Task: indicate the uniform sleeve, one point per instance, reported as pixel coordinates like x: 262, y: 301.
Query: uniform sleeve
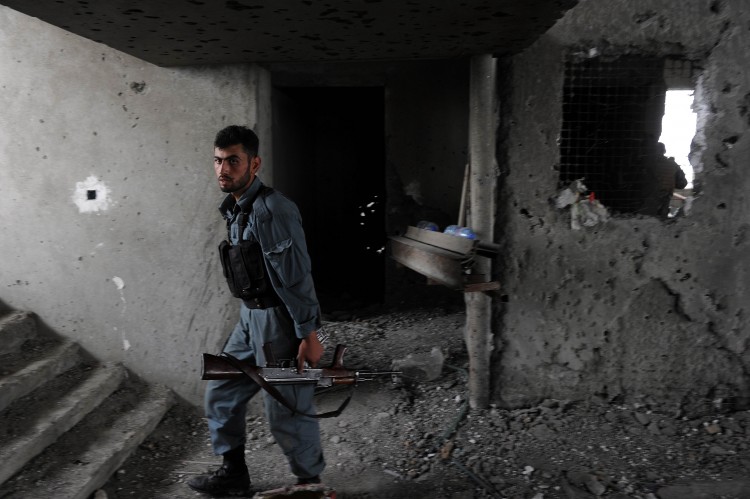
x: 289, y: 265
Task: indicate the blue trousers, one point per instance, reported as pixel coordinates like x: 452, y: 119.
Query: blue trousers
x: 226, y: 400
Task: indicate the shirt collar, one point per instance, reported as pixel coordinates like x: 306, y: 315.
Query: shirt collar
x: 229, y: 205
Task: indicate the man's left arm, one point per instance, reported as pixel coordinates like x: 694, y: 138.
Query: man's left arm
x: 291, y: 276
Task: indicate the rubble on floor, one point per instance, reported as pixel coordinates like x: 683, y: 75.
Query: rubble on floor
x: 418, y: 438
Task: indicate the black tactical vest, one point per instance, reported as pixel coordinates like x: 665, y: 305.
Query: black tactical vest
x: 244, y: 265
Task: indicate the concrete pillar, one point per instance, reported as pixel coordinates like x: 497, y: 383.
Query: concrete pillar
x: 262, y: 121
x: 482, y: 191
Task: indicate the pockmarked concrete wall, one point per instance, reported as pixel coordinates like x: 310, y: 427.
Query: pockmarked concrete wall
x: 636, y: 309
x: 108, y: 201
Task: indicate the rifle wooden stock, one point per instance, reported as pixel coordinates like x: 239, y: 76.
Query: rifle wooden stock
x: 217, y: 367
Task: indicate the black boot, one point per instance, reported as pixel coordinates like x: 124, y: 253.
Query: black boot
x: 307, y: 481
x: 232, y: 479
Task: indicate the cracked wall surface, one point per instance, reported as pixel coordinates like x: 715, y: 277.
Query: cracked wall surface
x: 636, y: 309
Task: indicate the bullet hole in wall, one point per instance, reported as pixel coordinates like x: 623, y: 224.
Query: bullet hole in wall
x: 91, y: 195
x: 138, y: 86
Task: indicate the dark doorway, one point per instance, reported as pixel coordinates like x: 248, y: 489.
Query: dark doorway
x: 329, y: 157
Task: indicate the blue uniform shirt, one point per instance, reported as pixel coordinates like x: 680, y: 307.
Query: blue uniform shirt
x: 275, y: 222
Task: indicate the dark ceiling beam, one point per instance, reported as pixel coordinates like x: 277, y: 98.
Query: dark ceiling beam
x: 196, y: 32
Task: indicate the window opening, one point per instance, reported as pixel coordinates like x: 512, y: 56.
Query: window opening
x: 613, y: 123
x: 678, y: 129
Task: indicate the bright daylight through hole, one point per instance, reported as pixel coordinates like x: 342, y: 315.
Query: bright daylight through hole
x: 678, y: 128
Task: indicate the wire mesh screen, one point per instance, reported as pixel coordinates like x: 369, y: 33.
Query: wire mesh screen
x: 680, y: 74
x: 612, y: 110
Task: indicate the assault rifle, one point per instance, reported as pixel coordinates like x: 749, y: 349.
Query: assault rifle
x: 226, y: 366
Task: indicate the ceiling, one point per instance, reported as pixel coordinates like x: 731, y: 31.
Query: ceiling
x: 196, y: 32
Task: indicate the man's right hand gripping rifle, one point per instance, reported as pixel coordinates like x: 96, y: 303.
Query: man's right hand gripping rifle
x: 310, y: 351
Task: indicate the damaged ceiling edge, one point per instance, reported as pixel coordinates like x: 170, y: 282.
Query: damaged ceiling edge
x: 179, y: 33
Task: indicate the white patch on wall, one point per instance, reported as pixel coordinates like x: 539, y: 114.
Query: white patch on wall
x: 125, y: 342
x: 120, y: 284
x: 91, y: 195
x: 93, y: 253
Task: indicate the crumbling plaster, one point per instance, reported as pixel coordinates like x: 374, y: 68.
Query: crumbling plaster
x: 636, y: 309
x: 136, y: 281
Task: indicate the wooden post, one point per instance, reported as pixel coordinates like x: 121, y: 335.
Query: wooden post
x: 482, y: 191
x: 462, y: 206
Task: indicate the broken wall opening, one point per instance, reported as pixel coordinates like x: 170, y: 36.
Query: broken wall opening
x: 612, y: 125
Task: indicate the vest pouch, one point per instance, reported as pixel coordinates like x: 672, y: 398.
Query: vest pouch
x: 226, y: 269
x: 245, y: 270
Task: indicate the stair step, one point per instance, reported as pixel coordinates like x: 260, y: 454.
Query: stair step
x: 83, y: 459
x: 23, y: 381
x: 37, y: 420
x: 16, y: 328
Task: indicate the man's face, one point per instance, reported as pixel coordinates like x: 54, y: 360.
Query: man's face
x: 234, y: 169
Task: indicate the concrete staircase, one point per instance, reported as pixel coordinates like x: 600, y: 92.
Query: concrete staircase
x: 66, y: 422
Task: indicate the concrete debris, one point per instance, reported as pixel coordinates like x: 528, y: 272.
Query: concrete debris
x: 421, y: 366
x: 713, y: 429
x: 587, y: 481
x: 570, y: 195
x: 419, y: 439
x: 585, y: 211
x: 734, y: 488
x: 573, y: 492
x: 642, y: 418
x: 311, y: 491
x: 542, y: 432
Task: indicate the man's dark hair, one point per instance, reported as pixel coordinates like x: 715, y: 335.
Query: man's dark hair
x: 237, y: 134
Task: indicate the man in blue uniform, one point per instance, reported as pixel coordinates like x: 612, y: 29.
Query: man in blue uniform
x: 267, y: 266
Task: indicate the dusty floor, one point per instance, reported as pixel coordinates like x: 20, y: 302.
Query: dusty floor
x: 418, y: 439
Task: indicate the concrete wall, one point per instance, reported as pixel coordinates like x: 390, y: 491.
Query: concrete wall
x: 637, y: 309
x: 132, y: 275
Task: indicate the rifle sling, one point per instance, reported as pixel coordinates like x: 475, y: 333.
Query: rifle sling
x: 260, y: 381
